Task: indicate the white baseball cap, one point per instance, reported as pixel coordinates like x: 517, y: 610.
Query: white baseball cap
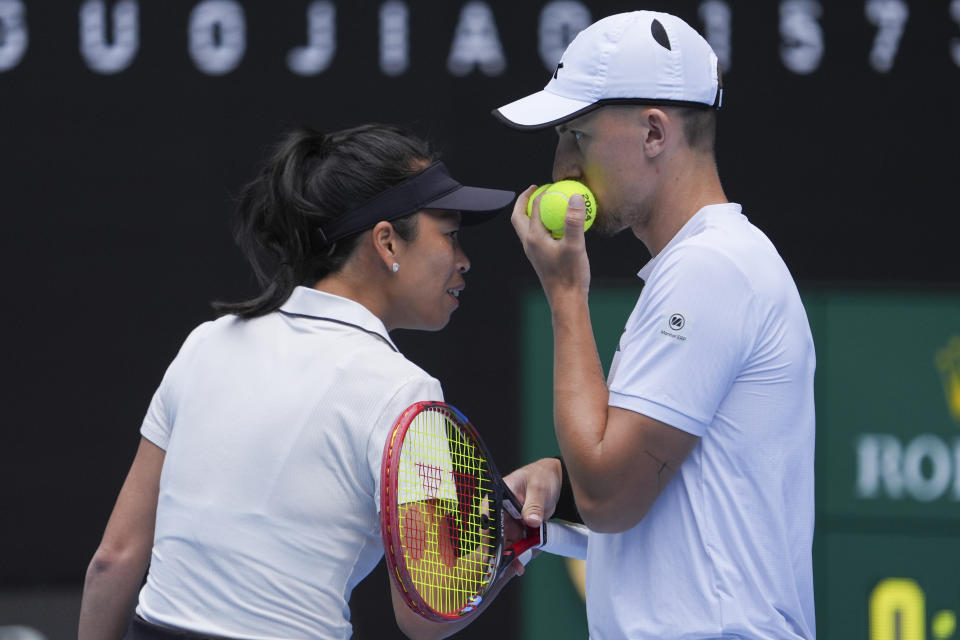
x: 640, y: 57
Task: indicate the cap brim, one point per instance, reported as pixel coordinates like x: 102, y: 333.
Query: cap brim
x: 541, y: 110
x: 476, y: 201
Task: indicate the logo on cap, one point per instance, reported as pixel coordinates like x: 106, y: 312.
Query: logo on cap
x: 676, y: 322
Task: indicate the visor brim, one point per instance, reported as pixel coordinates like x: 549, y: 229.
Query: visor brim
x: 541, y: 110
x: 478, y: 202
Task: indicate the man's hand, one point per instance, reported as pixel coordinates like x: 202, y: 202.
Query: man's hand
x: 537, y: 485
x: 561, y: 264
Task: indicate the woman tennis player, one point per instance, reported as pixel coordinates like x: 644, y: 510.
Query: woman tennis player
x: 253, y: 494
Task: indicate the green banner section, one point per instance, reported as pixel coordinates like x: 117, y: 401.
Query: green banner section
x: 888, y: 587
x: 888, y: 374
x: 888, y: 461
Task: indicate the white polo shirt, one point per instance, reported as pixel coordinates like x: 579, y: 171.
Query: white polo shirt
x: 274, y: 429
x: 718, y: 346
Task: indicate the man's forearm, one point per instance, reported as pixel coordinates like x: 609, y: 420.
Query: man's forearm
x: 580, y: 391
x: 618, y: 460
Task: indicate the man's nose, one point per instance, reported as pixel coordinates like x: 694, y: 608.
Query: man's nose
x: 566, y: 164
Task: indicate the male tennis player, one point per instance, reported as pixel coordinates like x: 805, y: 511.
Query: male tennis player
x: 693, y: 461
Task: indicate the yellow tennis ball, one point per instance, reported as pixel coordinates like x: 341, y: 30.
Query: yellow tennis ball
x: 553, y: 204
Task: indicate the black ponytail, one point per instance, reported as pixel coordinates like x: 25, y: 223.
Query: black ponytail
x: 310, y: 180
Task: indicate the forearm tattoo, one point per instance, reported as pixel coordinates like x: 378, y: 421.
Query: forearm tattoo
x: 664, y: 470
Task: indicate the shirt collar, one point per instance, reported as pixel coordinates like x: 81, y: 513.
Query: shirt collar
x: 305, y: 301
x: 693, y: 226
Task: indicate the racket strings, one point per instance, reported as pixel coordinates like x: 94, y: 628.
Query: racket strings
x: 445, y: 513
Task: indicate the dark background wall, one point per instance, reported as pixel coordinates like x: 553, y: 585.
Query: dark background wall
x: 120, y: 156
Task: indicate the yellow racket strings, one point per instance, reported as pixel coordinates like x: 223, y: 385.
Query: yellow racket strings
x: 446, y: 528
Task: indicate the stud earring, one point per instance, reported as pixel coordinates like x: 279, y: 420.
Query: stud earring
x: 396, y: 267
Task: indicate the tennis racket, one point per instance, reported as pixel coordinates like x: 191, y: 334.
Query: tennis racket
x: 443, y: 508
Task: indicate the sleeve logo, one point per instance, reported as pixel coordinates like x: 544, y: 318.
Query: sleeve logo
x: 675, y: 323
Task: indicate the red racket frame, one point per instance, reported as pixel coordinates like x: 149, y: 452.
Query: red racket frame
x: 388, y: 521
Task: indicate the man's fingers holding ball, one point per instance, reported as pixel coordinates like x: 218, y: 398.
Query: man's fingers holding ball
x: 520, y: 222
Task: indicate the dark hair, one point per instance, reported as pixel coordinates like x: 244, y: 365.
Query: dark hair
x: 312, y: 179
x: 699, y: 128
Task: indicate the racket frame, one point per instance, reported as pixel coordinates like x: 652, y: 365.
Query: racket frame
x: 571, y: 538
x: 390, y: 530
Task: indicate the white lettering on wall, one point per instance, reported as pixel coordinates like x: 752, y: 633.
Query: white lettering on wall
x: 110, y: 35
x: 560, y: 22
x: 933, y: 451
x: 13, y: 33
x: 955, y: 41
x: 217, y: 36
x: 716, y: 17
x: 956, y: 468
x: 890, y: 18
x: 315, y: 57
x: 878, y: 467
x: 394, y: 38
x: 476, y: 43
x: 100, y: 54
x: 922, y: 470
x: 801, y: 48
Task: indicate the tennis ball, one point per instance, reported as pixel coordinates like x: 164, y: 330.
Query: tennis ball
x: 553, y: 204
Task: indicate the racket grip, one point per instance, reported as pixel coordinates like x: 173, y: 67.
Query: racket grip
x: 525, y: 557
x: 567, y: 539
x: 556, y: 537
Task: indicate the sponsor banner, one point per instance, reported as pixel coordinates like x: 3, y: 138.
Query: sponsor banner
x: 888, y: 388
x: 219, y: 33
x: 888, y: 586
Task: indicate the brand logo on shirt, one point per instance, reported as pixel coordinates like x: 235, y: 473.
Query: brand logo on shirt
x: 675, y: 323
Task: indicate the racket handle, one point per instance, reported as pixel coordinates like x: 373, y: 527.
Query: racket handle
x: 567, y: 539
x: 557, y: 537
x: 523, y: 549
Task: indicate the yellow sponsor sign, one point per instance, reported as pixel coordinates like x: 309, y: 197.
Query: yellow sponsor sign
x: 948, y: 362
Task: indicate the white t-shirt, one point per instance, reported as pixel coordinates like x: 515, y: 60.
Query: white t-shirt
x: 274, y: 430
x: 719, y: 346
